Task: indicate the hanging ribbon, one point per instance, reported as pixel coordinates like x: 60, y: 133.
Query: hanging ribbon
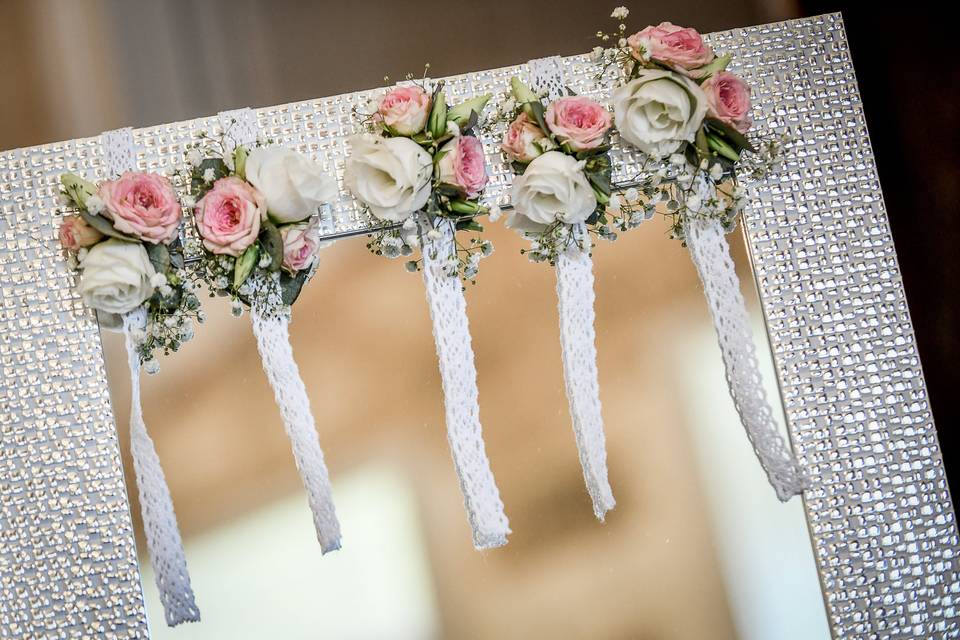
x: 451, y: 333
x: 164, y: 545
x: 575, y: 297
x: 710, y: 252
x: 276, y: 355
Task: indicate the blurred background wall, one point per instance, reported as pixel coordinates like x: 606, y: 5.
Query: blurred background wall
x: 697, y: 548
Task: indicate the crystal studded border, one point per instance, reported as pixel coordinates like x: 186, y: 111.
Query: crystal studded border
x: 881, y: 519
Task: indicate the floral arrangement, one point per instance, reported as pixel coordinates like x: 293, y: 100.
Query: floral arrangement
x: 677, y: 103
x: 123, y: 236
x: 418, y: 166
x: 255, y: 211
x: 560, y: 154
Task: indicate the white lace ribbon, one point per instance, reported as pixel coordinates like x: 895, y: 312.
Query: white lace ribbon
x: 276, y: 355
x: 164, y: 545
x: 575, y: 296
x: 451, y: 332
x: 710, y: 252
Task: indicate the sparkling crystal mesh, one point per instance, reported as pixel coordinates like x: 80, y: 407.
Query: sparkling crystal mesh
x: 880, y: 515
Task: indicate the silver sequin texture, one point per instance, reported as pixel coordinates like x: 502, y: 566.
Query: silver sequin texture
x: 881, y: 520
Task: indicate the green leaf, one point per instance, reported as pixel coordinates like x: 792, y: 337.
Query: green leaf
x: 104, y: 226
x: 732, y: 135
x: 240, y: 161
x: 438, y: 114
x: 469, y: 225
x: 176, y: 254
x: 244, y: 265
x: 521, y: 92
x: 536, y: 112
x: 472, y: 121
x: 518, y: 167
x: 290, y: 286
x: 77, y: 189
x: 447, y: 189
x: 198, y: 186
x: 461, y: 113
x: 722, y: 148
x: 701, y: 141
x: 159, y: 257
x: 464, y: 207
x: 719, y: 64
x: 589, y: 153
x: 272, y: 243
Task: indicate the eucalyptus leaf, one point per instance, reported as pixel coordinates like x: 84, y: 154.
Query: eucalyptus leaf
x: 104, y: 226
x: 447, y: 189
x: 538, y: 115
x: 272, y: 243
x: 290, y: 286
x: 518, y: 167
x: 176, y: 254
x: 244, y: 265
x: 472, y: 121
x: 159, y: 257
x: 199, y: 186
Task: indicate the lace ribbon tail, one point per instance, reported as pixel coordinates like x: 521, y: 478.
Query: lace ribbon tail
x: 276, y: 354
x: 164, y: 545
x: 710, y: 252
x: 451, y: 332
x: 575, y: 297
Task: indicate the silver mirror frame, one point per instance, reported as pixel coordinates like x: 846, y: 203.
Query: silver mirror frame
x: 880, y: 515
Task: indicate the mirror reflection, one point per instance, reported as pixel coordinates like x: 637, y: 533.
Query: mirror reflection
x: 697, y: 547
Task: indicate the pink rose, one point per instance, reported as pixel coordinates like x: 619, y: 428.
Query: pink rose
x: 143, y: 205
x: 580, y: 123
x: 463, y: 165
x: 728, y: 100
x: 301, y: 242
x: 228, y: 216
x: 524, y: 140
x: 75, y: 233
x: 677, y: 47
x: 405, y: 110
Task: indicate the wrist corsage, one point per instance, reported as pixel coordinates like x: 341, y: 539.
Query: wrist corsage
x: 419, y: 168
x: 676, y: 102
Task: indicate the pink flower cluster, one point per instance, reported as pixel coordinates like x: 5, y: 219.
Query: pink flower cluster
x: 683, y: 50
x: 138, y: 204
x: 229, y: 218
x: 728, y: 100
x: 579, y: 123
x: 405, y: 110
x: 464, y: 165
x: 680, y: 48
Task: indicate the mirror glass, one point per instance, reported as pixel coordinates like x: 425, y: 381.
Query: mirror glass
x: 697, y: 547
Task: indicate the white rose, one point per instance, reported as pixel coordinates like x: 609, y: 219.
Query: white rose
x: 390, y: 175
x: 116, y: 276
x: 658, y: 111
x: 293, y: 185
x: 553, y: 187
